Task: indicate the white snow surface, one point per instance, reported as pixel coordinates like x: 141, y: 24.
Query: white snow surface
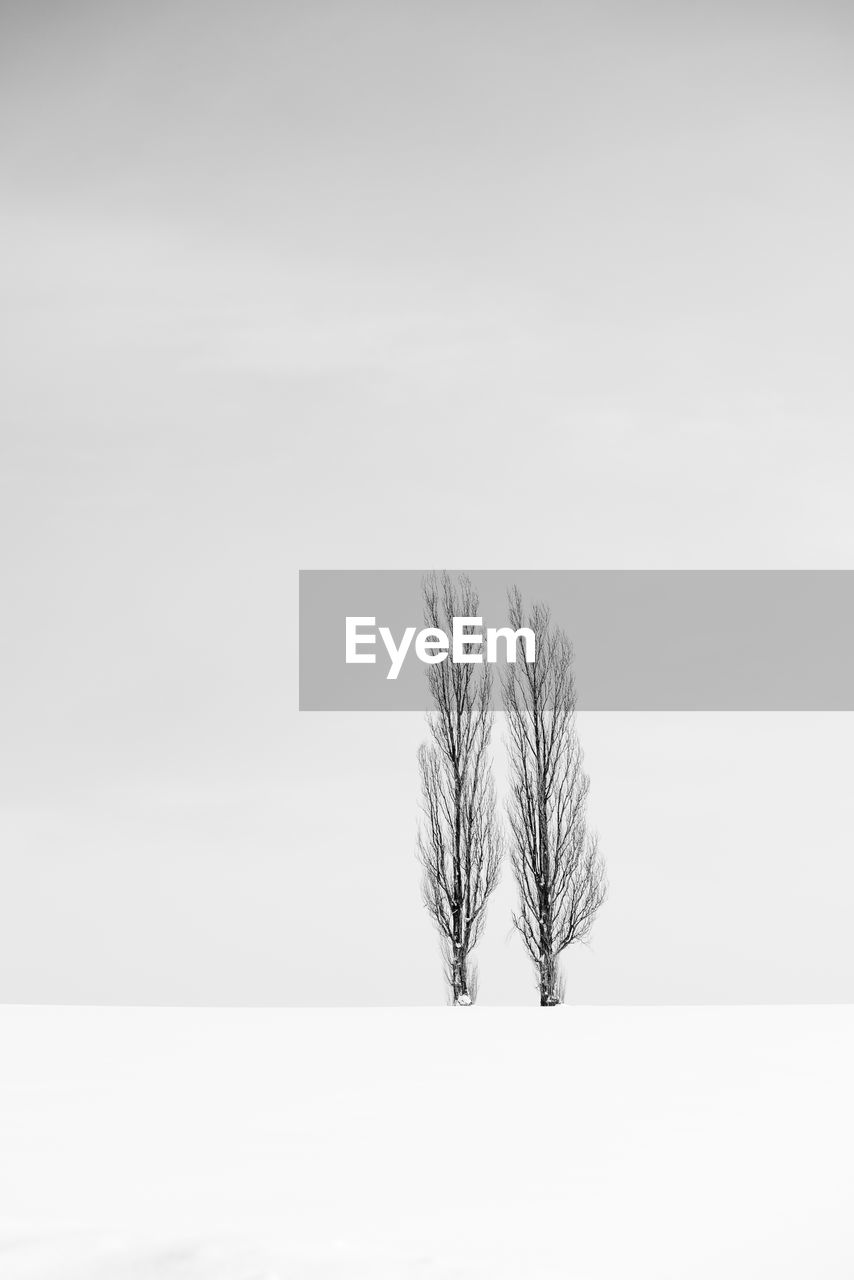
x: 589, y: 1144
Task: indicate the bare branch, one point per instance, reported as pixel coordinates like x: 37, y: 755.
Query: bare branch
x: 555, y: 858
x: 459, y: 839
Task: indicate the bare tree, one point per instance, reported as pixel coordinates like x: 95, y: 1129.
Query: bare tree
x: 459, y: 841
x: 555, y: 858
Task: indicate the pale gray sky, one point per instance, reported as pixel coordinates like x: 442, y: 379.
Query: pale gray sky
x: 398, y: 285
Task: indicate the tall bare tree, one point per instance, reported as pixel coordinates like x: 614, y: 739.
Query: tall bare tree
x: 559, y: 872
x: 459, y: 840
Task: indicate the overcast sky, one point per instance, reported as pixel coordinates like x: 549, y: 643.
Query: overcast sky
x: 398, y: 286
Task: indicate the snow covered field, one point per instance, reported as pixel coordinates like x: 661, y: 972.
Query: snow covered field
x: 597, y: 1144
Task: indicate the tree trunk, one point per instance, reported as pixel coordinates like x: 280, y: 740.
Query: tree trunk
x: 548, y: 981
